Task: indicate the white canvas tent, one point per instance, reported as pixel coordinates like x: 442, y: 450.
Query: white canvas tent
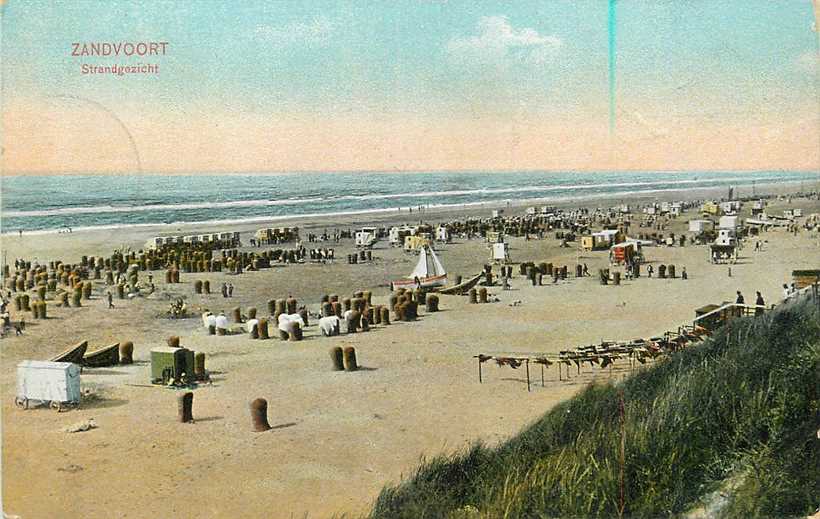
x: 501, y: 252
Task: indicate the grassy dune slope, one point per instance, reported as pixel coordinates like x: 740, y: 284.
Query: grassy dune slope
x: 742, y: 407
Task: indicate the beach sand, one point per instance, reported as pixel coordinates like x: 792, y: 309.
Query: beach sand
x: 338, y: 437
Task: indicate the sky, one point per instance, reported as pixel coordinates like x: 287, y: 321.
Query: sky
x: 412, y: 85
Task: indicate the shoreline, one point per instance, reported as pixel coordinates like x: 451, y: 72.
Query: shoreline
x: 428, y: 210
x: 102, y: 239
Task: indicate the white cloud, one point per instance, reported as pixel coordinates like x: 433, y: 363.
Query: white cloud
x: 315, y: 32
x: 655, y: 130
x: 496, y: 41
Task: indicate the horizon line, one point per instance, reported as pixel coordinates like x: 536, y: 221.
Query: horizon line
x: 396, y: 171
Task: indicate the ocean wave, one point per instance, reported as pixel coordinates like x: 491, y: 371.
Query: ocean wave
x: 101, y: 209
x: 330, y: 215
x: 106, y: 209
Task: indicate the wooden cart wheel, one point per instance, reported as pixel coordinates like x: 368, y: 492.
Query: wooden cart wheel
x: 22, y: 403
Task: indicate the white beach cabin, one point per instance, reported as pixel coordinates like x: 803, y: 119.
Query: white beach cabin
x: 367, y: 236
x: 701, y: 226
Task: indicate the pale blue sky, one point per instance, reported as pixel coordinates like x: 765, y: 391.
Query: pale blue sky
x: 715, y: 59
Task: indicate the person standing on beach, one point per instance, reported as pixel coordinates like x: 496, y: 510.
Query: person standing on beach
x: 740, y: 300
x: 230, y: 290
x: 683, y: 274
x: 786, y: 292
x: 110, y: 300
x: 224, y: 290
x: 760, y: 303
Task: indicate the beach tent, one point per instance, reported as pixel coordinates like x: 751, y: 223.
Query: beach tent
x: 700, y: 226
x: 726, y: 237
x: 251, y: 324
x: 501, y: 252
x: 397, y: 234
x: 222, y: 322
x: 623, y: 252
x: 729, y: 222
x: 429, y: 272
x: 730, y: 207
x: 710, y: 208
x: 719, y: 253
x: 600, y: 240
x: 367, y: 236
x: 285, y: 319
x: 417, y: 242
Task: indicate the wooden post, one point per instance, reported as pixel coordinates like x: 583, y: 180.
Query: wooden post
x: 527, y: 361
x: 479, y: 371
x: 542, y: 375
x: 185, y: 406
x: 259, y: 415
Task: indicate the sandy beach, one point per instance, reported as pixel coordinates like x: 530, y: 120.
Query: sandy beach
x: 337, y: 437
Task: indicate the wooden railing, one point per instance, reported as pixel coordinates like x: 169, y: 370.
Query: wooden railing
x: 737, y: 310
x: 605, y: 354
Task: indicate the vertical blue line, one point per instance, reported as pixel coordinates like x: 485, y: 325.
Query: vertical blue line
x: 611, y: 27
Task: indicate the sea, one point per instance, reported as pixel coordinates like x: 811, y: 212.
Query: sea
x: 44, y: 204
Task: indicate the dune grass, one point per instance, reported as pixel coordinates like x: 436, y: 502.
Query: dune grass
x: 742, y: 407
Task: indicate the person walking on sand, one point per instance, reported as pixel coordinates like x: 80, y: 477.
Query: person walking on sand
x: 230, y: 290
x: 740, y: 300
x: 110, y: 300
x: 224, y: 290
x: 650, y: 270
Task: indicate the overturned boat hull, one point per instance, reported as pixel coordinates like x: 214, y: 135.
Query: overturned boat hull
x: 425, y: 283
x: 462, y: 288
x: 108, y: 356
x: 73, y: 354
